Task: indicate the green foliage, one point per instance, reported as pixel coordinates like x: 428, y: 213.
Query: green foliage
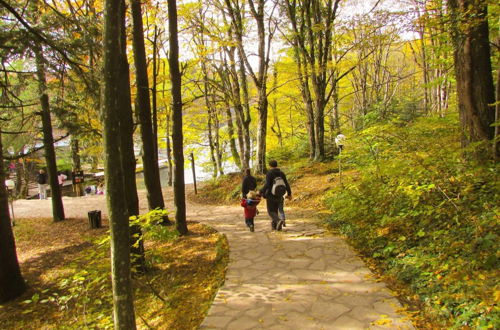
x: 74, y: 293
x: 150, y: 224
x: 427, y: 216
x: 293, y: 149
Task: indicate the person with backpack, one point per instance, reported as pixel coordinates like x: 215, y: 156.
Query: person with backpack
x: 41, y: 179
x: 274, y: 190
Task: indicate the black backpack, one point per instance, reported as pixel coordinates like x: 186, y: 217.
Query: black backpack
x: 279, y: 187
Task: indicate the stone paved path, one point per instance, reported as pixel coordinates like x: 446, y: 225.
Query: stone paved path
x: 300, y: 278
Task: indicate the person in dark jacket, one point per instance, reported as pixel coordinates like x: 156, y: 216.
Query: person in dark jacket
x: 249, y: 183
x: 41, y: 179
x: 274, y: 201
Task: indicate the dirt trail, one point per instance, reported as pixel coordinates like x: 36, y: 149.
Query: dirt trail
x: 299, y: 278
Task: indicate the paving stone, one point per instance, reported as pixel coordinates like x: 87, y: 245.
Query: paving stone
x: 387, y: 306
x: 216, y: 322
x: 243, y: 323
x: 346, y: 322
x: 364, y: 314
x: 325, y: 310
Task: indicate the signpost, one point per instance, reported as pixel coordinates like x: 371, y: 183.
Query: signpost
x: 339, y: 141
x: 194, y: 174
x: 77, y: 179
x: 10, y: 184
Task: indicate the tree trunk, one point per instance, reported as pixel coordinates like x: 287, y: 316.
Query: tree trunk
x: 246, y: 110
x: 123, y: 302
x: 274, y: 109
x: 232, y: 140
x: 177, y: 135
x: 496, y: 141
x: 76, y: 163
x: 168, y: 115
x: 475, y: 89
x: 11, y: 281
x: 260, y: 80
x: 238, y: 108
x: 48, y: 139
x: 262, y: 132
x: 149, y: 157
x: 138, y: 260
x: 169, y: 150
x: 211, y: 143
x: 154, y: 91
x: 218, y: 147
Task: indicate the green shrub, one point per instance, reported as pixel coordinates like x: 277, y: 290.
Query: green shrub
x: 427, y: 216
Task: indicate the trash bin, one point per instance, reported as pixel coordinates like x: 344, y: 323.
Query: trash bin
x: 95, y: 219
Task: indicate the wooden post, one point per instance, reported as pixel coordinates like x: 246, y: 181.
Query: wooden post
x: 340, y: 169
x: 194, y: 174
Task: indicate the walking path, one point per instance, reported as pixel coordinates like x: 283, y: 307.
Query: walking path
x: 299, y: 278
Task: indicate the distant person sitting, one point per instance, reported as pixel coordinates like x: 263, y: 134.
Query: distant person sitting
x: 249, y: 183
x: 100, y: 189
x: 90, y: 190
x: 41, y: 179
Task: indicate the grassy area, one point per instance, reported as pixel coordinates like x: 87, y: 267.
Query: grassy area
x: 427, y: 217
x: 67, y: 268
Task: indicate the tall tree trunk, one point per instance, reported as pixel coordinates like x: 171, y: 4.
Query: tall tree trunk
x: 475, y: 90
x: 218, y: 147
x: 123, y: 302
x: 260, y: 80
x: 496, y: 141
x: 262, y: 132
x: 274, y: 109
x: 246, y: 110
x: 149, y: 157
x: 236, y: 33
x: 211, y: 143
x: 48, y: 139
x: 177, y: 135
x: 76, y: 163
x: 168, y: 116
x: 169, y: 149
x: 11, y: 281
x: 154, y: 90
x: 232, y: 140
x: 238, y: 108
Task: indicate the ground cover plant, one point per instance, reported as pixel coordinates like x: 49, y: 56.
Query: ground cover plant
x: 66, y: 265
x: 427, y: 215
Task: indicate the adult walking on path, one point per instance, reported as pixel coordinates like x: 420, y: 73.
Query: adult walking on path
x: 41, y: 179
x: 249, y: 183
x: 274, y: 189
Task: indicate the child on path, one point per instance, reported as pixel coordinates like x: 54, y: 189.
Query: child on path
x: 250, y: 206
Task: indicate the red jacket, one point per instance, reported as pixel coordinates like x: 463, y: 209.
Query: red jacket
x: 250, y: 210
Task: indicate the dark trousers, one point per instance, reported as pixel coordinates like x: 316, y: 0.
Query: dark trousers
x: 273, y: 206
x: 249, y: 222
